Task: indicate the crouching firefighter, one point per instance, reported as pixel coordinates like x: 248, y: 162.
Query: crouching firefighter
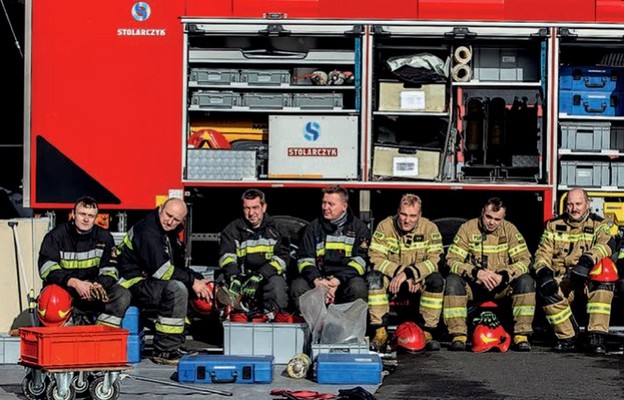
x: 405, y: 250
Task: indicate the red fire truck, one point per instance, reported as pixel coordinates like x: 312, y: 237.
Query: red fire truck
x: 456, y: 100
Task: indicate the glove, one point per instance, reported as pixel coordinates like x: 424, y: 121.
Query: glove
x: 546, y: 282
x: 98, y: 292
x: 580, y: 272
x: 251, y: 286
x: 357, y: 393
x: 235, y: 286
x: 504, y: 282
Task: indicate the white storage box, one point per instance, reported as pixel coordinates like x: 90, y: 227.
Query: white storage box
x: 394, y: 96
x: 408, y: 163
x: 313, y: 147
x: 9, y: 349
x: 280, y: 340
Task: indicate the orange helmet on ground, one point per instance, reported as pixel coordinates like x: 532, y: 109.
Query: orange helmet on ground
x: 202, y: 306
x: 54, y: 306
x: 408, y: 336
x: 604, y: 271
x: 489, y: 334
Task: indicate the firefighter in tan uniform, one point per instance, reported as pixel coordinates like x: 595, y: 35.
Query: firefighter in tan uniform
x: 489, y: 260
x: 570, y: 246
x: 405, y: 251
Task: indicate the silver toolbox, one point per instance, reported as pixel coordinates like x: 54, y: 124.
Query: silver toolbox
x: 585, y: 174
x: 617, y: 174
x: 221, y: 165
x: 272, y: 100
x: 213, y: 76
x: 215, y: 99
x: 322, y: 101
x: 505, y: 64
x: 585, y: 135
x: 265, y: 76
x: 313, y: 147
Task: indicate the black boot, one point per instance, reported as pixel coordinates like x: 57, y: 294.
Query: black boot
x: 565, y: 345
x: 596, y: 343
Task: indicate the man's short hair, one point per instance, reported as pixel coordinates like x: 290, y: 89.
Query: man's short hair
x: 410, y: 200
x: 342, y: 192
x: 87, y: 202
x: 251, y: 194
x: 496, y: 204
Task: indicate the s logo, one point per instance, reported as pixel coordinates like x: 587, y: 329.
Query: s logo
x: 312, y: 131
x: 141, y: 11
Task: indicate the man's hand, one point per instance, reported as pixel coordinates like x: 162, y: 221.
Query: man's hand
x: 546, y: 282
x: 83, y: 288
x: 235, y: 286
x: 331, y: 285
x: 580, y: 272
x: 413, y: 286
x: 97, y: 292
x: 201, y: 289
x: 488, y: 279
x: 396, y: 282
x: 251, y: 285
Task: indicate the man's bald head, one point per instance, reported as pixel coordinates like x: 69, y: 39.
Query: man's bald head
x: 172, y: 213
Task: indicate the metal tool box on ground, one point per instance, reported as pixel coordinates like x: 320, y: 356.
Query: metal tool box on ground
x: 215, y: 99
x: 272, y: 100
x: 585, y: 174
x: 585, y: 135
x: 226, y: 165
x: 280, y: 340
x: 213, y: 76
x: 73, y: 346
x: 590, y: 78
x: 598, y: 103
x: 265, y: 76
x: 357, y: 348
x: 394, y: 96
x: 345, y: 369
x: 318, y: 101
x: 313, y: 147
x: 225, y: 369
x: 505, y: 64
x: 405, y: 162
x: 9, y: 349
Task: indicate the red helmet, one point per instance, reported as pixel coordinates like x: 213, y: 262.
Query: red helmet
x: 202, y: 306
x: 489, y: 334
x: 604, y: 271
x: 408, y: 336
x: 54, y: 306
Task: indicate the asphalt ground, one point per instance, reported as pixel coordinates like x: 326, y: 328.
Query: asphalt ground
x: 540, y: 374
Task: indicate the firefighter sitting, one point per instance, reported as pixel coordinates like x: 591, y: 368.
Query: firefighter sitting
x: 333, y: 252
x: 79, y: 269
x: 405, y: 251
x: 489, y: 260
x: 569, y: 248
x: 253, y: 257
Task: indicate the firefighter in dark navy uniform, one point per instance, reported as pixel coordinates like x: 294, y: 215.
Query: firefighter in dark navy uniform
x: 80, y: 257
x: 253, y: 256
x: 333, y: 252
x: 571, y: 245
x: 489, y: 260
x: 404, y: 252
x: 152, y: 266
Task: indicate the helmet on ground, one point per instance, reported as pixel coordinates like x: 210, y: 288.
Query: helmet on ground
x: 489, y: 334
x: 604, y: 271
x: 410, y: 337
x: 54, y: 306
x: 204, y: 307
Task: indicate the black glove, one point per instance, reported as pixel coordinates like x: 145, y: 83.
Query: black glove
x: 504, y: 282
x: 546, y: 282
x: 580, y: 272
x: 357, y: 393
x: 235, y: 286
x: 251, y: 285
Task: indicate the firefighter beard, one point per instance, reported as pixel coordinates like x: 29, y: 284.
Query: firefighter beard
x: 430, y: 292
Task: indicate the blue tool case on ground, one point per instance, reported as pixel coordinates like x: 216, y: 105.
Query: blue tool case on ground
x: 342, y: 368
x: 225, y: 369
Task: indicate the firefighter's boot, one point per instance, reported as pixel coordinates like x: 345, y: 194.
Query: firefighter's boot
x: 596, y: 343
x: 459, y: 343
x: 430, y: 343
x: 521, y: 343
x: 381, y: 339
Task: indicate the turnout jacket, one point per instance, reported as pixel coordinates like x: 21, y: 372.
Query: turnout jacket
x: 259, y: 250
x: 564, y: 242
x: 147, y: 251
x: 502, y: 250
x: 67, y: 254
x: 329, y: 250
x: 392, y: 250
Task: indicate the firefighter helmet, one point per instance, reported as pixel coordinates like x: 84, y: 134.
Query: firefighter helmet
x: 54, y: 306
x: 204, y: 307
x: 408, y: 336
x: 604, y: 271
x: 489, y: 334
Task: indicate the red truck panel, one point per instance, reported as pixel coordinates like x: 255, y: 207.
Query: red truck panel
x: 353, y: 9
x: 292, y: 8
x: 81, y: 64
x: 610, y: 11
x: 552, y: 10
x: 213, y: 8
x: 483, y: 10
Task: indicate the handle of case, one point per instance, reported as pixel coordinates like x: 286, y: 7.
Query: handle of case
x: 213, y: 378
x: 595, y: 110
x: 600, y: 84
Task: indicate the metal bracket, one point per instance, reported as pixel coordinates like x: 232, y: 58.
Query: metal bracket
x: 460, y: 32
x: 274, y: 30
x: 541, y: 33
x: 379, y: 30
x: 357, y: 30
x: 566, y: 33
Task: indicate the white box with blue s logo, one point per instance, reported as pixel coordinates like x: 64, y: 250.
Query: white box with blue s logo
x: 313, y: 147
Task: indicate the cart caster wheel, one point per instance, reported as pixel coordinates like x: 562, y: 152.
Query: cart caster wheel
x: 30, y: 389
x: 99, y: 392
x: 53, y: 392
x: 81, y: 387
